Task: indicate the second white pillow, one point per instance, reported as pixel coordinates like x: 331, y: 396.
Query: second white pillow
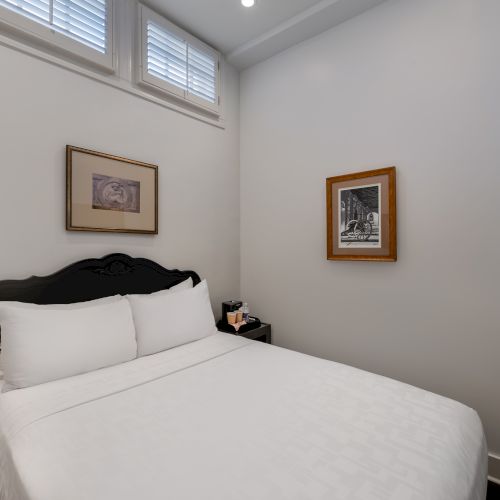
x: 164, y: 321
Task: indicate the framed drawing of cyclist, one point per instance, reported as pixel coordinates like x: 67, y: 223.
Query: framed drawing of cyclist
x: 361, y: 216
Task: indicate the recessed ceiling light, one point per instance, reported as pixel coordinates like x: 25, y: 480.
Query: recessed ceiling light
x: 248, y: 3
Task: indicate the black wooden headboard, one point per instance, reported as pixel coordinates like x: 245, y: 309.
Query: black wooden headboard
x: 95, y: 278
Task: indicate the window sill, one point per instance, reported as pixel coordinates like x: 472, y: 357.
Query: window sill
x: 112, y: 81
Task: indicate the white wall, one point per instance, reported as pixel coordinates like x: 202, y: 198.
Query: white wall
x: 409, y: 83
x: 43, y: 108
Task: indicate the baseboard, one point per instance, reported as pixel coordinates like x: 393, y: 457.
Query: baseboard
x: 494, y: 467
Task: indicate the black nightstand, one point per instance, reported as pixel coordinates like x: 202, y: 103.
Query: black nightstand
x: 262, y: 334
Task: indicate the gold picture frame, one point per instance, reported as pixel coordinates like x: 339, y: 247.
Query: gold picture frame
x: 361, y: 216
x: 108, y: 193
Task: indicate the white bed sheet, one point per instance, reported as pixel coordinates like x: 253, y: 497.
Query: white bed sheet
x: 225, y: 418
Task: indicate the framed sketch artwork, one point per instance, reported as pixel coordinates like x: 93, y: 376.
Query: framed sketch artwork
x: 361, y: 216
x: 109, y: 193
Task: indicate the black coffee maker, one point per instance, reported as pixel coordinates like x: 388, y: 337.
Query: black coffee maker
x: 230, y: 306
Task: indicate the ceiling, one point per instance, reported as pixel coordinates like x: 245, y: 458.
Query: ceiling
x: 249, y: 35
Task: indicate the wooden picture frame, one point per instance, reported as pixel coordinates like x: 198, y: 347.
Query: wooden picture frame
x: 108, y: 193
x: 361, y: 216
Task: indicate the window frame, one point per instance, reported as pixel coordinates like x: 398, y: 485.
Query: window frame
x: 151, y: 82
x: 30, y: 29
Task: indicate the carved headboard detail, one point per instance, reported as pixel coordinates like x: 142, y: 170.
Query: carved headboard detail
x: 95, y: 278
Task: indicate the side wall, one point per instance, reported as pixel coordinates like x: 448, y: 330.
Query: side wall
x: 44, y: 107
x: 411, y: 84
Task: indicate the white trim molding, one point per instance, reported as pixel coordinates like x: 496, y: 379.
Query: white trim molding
x: 322, y: 16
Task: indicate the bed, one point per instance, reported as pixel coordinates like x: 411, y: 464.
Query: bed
x: 225, y: 418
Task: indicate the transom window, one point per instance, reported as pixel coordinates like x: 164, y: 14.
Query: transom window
x: 86, y: 22
x: 151, y: 57
x: 175, y: 62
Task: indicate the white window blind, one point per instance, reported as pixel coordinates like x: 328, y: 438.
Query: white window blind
x: 38, y: 10
x: 180, y: 63
x: 82, y: 20
x: 167, y: 56
x: 202, y: 72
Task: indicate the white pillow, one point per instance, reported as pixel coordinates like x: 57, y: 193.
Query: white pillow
x: 42, y: 344
x: 167, y: 320
x: 183, y: 285
x: 74, y: 305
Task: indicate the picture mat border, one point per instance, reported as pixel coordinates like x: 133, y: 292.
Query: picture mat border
x: 69, y: 174
x: 379, y: 185
x: 384, y: 214
x: 391, y: 256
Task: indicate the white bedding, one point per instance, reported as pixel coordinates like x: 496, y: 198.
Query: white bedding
x: 225, y: 418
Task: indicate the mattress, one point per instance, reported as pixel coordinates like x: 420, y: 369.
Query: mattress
x: 225, y: 418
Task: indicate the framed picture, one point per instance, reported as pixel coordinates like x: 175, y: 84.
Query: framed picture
x: 107, y: 193
x: 361, y: 216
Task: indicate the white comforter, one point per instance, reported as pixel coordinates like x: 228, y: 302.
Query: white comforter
x: 225, y: 418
